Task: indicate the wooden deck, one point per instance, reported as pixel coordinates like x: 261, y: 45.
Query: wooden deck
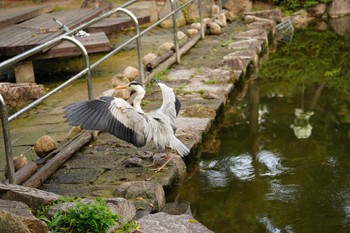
x: 21, y: 37
x: 112, y: 25
x: 15, y: 15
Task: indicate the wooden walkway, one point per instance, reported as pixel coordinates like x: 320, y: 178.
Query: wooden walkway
x: 11, y: 16
x: 21, y: 37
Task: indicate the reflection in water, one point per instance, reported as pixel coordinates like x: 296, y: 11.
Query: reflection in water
x: 271, y: 161
x: 302, y: 128
x: 264, y: 179
x: 284, y: 193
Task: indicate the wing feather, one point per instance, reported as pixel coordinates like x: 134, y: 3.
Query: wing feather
x: 113, y: 115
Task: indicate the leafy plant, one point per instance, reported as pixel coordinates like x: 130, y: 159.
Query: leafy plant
x: 128, y: 227
x: 93, y: 217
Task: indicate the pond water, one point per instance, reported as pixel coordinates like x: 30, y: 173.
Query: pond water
x: 281, y: 159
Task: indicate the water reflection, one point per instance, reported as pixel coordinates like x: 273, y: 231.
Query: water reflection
x: 262, y: 177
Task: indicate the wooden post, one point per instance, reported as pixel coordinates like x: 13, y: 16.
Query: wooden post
x: 24, y: 72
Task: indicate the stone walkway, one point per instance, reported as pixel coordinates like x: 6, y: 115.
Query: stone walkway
x: 109, y: 167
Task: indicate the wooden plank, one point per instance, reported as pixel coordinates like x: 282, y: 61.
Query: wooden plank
x: 19, y: 38
x: 15, y: 15
x: 96, y: 42
x: 112, y: 25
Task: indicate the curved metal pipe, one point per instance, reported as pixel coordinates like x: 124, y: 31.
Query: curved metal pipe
x: 87, y: 62
x: 138, y: 40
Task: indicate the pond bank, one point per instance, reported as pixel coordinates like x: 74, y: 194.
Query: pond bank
x: 206, y: 76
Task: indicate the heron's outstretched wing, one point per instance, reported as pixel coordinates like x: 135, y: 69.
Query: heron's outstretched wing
x: 171, y: 104
x: 113, y: 115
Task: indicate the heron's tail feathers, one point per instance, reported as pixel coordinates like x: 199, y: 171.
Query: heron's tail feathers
x: 181, y: 149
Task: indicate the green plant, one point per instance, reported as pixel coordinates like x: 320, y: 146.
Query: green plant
x: 93, y: 217
x: 128, y: 227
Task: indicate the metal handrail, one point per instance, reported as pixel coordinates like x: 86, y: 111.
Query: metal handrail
x: 67, y: 36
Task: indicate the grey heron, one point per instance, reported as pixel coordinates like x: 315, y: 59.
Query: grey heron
x: 129, y: 122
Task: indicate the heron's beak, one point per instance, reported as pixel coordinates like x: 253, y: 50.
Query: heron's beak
x: 121, y: 87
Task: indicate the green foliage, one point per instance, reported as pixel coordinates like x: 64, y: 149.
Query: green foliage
x: 93, y: 217
x: 299, y: 4
x: 128, y: 227
x: 313, y: 57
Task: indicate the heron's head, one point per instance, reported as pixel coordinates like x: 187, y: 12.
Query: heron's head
x: 135, y: 86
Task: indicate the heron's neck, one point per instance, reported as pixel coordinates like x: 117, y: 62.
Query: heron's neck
x: 137, y: 100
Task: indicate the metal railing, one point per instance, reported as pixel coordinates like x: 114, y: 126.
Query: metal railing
x: 87, y: 71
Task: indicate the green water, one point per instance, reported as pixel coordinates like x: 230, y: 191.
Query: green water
x: 281, y: 159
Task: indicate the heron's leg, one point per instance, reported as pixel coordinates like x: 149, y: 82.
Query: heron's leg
x: 155, y: 160
x: 172, y: 155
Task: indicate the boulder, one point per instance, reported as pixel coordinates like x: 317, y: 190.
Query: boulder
x: 220, y: 19
x: 192, y: 13
x: 166, y: 223
x: 215, y: 10
x: 196, y: 26
x: 123, y: 208
x: 340, y: 25
x: 168, y: 23
x: 214, y: 28
x: 274, y: 14
x: 30, y: 196
x: 131, y: 73
x: 318, y: 10
x: 144, y: 8
x: 182, y: 38
x: 339, y: 8
x: 11, y: 223
x: 44, y: 145
x: 143, y: 191
x: 237, y: 7
x: 19, y: 94
x: 148, y: 58
x: 19, y: 161
x: 19, y: 213
x: 165, y: 47
x: 192, y: 32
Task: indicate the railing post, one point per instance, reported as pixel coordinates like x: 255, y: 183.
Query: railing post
x: 200, y: 9
x: 176, y: 42
x: 87, y: 63
x: 138, y: 40
x: 7, y: 141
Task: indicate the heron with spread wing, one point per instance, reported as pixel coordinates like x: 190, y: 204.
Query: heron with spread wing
x: 129, y: 122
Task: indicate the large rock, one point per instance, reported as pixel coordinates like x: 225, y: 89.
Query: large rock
x: 192, y: 14
x: 339, y: 8
x: 44, y: 145
x: 11, y: 223
x: 274, y: 14
x: 166, y: 223
x: 143, y: 190
x: 318, y: 10
x: 179, y: 17
x: 19, y: 94
x: 144, y: 8
x: 237, y: 7
x: 19, y: 213
x: 30, y: 196
x: 340, y: 25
